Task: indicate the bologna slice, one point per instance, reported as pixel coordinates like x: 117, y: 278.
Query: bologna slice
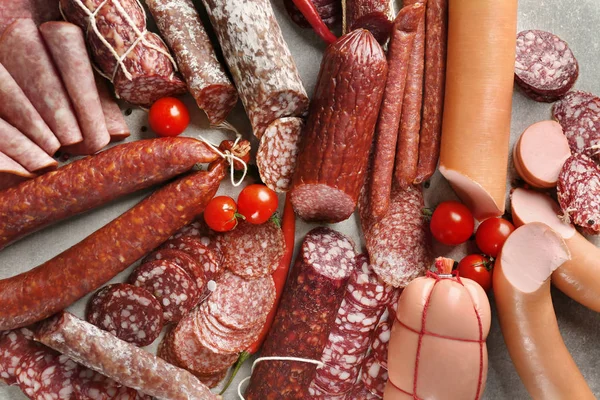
x: 180, y: 26
x: 18, y: 111
x: 25, y: 57
x: 11, y: 172
x: 18, y: 147
x: 113, y: 117
x: 579, y: 115
x: 67, y: 47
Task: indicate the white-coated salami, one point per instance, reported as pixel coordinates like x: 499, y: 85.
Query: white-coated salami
x: 579, y: 115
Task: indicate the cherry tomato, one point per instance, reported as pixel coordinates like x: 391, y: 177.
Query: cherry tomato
x: 168, y: 117
x: 477, y: 268
x: 491, y: 235
x: 452, y: 223
x: 257, y: 203
x: 220, y: 214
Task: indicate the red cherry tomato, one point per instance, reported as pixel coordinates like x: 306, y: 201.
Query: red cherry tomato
x: 257, y: 203
x: 452, y: 223
x: 220, y: 214
x: 491, y: 235
x: 168, y: 117
x: 477, y: 268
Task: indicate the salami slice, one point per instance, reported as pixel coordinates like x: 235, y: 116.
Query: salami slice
x: 360, y: 392
x: 213, y: 380
x: 252, y: 251
x: 15, y: 346
x: 129, y: 312
x: 262, y: 66
x: 48, y: 375
x: 180, y: 26
x: 374, y: 376
x: 379, y: 345
x: 183, y: 260
x: 579, y: 192
x: 365, y: 288
x: 174, y: 288
x: 91, y: 385
x: 25, y: 57
x: 579, y: 115
x: 208, y: 258
x: 545, y: 67
x: 113, y: 117
x: 214, y: 335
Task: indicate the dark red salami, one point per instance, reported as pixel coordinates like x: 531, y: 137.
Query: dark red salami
x: 545, y: 67
x: 48, y: 375
x: 392, y: 306
x: 374, y: 376
x: 373, y: 15
x: 379, y: 345
x: 360, y: 392
x: 129, y: 312
x: 579, y: 115
x: 91, y: 385
x: 579, y: 192
x: 252, y: 251
x: 14, y: 347
x: 305, y: 316
x: 174, y: 288
x: 183, y: 260
x: 208, y: 258
x: 212, y: 380
x: 330, y: 12
x: 214, y: 335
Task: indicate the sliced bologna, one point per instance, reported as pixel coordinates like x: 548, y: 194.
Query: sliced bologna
x: 252, y: 251
x: 306, y: 315
x: 113, y: 117
x: 66, y: 44
x: 209, y: 258
x: 545, y: 67
x: 278, y: 151
x: 180, y: 26
x: 18, y: 147
x: 18, y: 111
x: 11, y: 172
x: 579, y: 192
x: 579, y: 115
x: 25, y: 57
x: 129, y: 312
x: 15, y: 346
x: 540, y: 154
x: 174, y: 288
x: 260, y: 61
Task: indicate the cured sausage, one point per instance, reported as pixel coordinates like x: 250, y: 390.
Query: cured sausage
x: 545, y: 67
x: 46, y: 374
x: 38, y: 10
x: 578, y: 277
x: 11, y: 172
x: 115, y: 172
x: 113, y: 117
x: 386, y: 133
x: 183, y: 260
x: 17, y: 110
x: 15, y: 346
x: 540, y: 153
x: 374, y: 15
x: 526, y: 313
x: 180, y: 26
x: 66, y: 44
x: 337, y: 138
x: 305, y: 317
x: 260, y: 62
x: 136, y: 61
x: 18, y: 147
x: 330, y: 12
x: 437, y: 347
x: 478, y: 102
x: 24, y: 55
x: 209, y: 258
x: 436, y: 42
x: 93, y: 385
x: 57, y: 283
x: 119, y: 360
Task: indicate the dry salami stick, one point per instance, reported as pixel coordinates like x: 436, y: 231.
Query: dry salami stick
x: 407, y: 151
x: 386, y: 133
x: 373, y: 15
x: 436, y: 38
x: 180, y: 26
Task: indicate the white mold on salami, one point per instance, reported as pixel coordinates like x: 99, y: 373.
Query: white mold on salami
x: 579, y: 115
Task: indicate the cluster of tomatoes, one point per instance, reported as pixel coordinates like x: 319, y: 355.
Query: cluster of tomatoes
x: 452, y: 224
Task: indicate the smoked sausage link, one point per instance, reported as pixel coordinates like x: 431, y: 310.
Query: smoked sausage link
x: 59, y: 282
x: 339, y: 131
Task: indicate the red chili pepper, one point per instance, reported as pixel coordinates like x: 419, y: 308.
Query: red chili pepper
x: 288, y: 226
x: 308, y: 9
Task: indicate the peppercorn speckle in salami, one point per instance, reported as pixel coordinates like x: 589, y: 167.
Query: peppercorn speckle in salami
x: 579, y: 115
x: 209, y: 258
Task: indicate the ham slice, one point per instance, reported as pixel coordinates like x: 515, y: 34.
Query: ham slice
x: 113, y: 117
x: 18, y: 147
x: 11, y: 172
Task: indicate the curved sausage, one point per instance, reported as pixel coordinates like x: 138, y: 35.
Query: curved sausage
x: 478, y: 102
x: 527, y: 317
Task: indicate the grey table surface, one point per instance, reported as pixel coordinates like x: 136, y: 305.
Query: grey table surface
x: 576, y: 22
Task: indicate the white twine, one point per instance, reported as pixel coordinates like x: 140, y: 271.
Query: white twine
x: 229, y: 156
x: 274, y: 358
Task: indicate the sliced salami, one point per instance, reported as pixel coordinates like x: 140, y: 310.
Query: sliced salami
x: 579, y: 115
x: 545, y: 66
x: 91, y: 385
x: 213, y: 334
x: 213, y: 380
x: 208, y: 258
x: 252, y: 251
x: 183, y: 260
x: 174, y: 288
x: 579, y: 192
x: 129, y: 312
x: 15, y: 346
x: 365, y: 287
x: 374, y: 376
x: 392, y: 306
x: 316, y: 392
x: 278, y: 151
x: 48, y: 375
x: 360, y: 392
x: 379, y: 345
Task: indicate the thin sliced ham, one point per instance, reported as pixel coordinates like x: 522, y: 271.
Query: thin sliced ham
x: 11, y: 172
x: 18, y: 147
x: 38, y: 10
x: 115, y: 122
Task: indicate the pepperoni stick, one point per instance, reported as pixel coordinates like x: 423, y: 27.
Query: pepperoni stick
x: 113, y: 117
x: 18, y: 147
x: 67, y: 47
x: 436, y: 38
x: 115, y: 172
x: 386, y: 133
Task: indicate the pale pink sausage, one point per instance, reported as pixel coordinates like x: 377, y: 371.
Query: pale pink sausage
x: 11, y: 172
x: 18, y: 147
x: 540, y: 153
x: 113, y: 117
x: 24, y: 55
x: 67, y: 47
x: 18, y: 111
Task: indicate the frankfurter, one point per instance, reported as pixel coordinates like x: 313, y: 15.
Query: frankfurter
x: 478, y: 102
x: 522, y: 291
x: 579, y: 277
